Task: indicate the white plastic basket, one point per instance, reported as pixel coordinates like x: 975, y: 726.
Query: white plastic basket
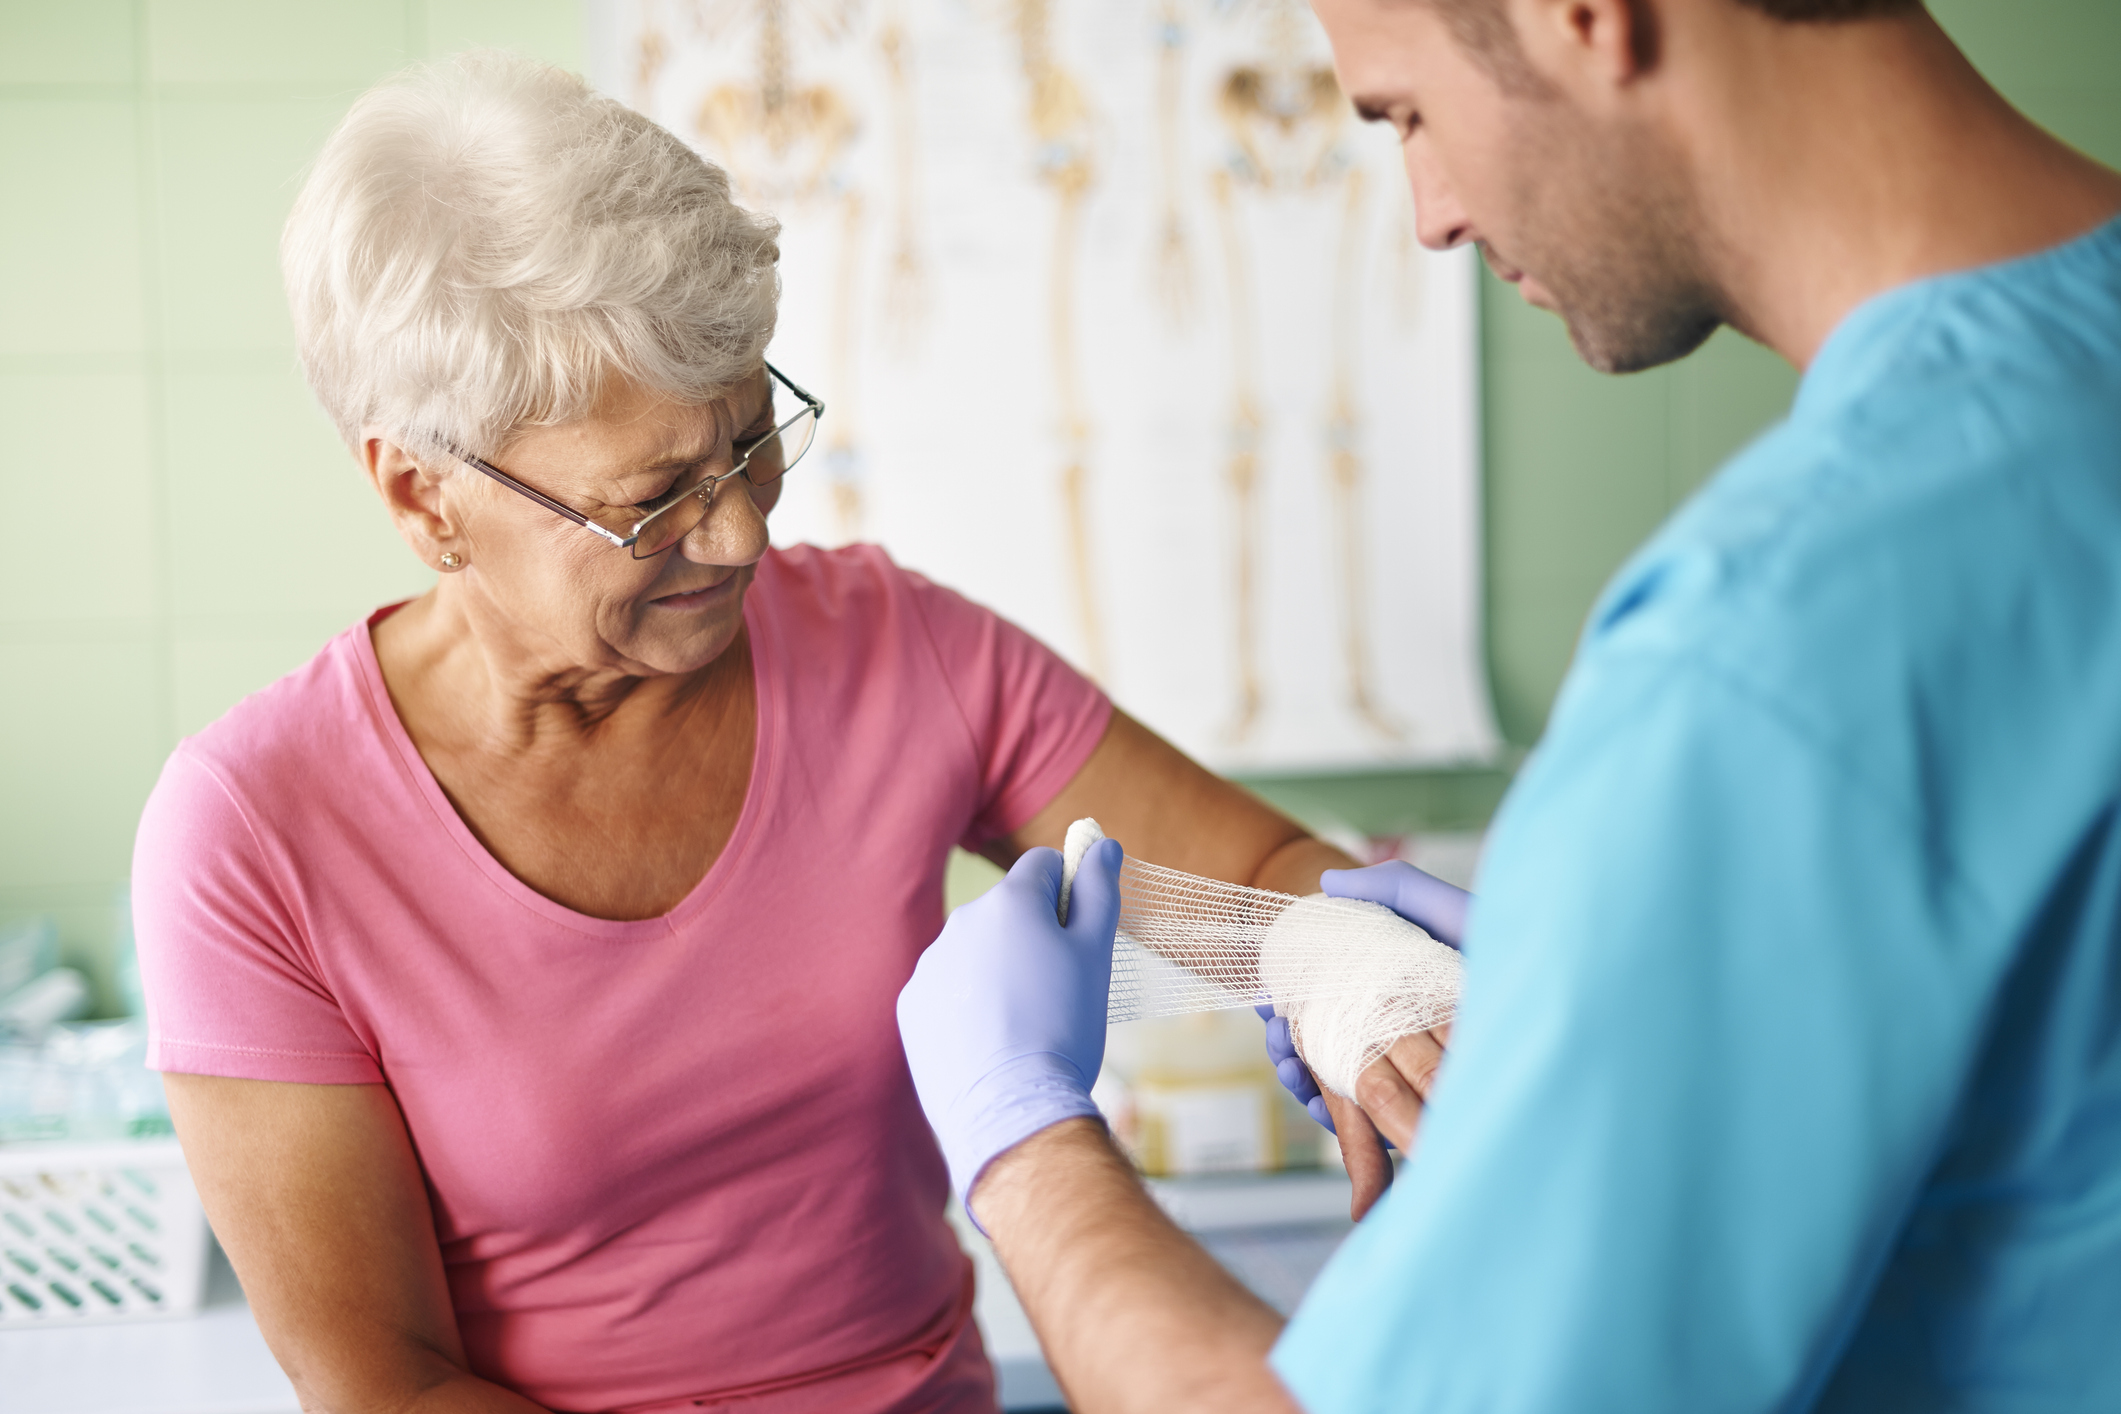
x: 106, y: 1231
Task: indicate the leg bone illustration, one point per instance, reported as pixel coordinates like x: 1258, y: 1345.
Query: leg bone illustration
x: 1283, y: 116
x: 1061, y: 126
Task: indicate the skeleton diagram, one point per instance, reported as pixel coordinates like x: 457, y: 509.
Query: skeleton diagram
x: 906, y: 282
x: 786, y: 143
x: 1061, y: 123
x: 1173, y: 280
x: 1283, y: 115
x: 651, y: 52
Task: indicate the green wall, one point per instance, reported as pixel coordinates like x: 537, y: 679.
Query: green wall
x: 181, y: 526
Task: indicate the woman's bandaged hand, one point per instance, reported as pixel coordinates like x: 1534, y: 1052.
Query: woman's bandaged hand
x: 1424, y: 900
x: 1396, y: 1083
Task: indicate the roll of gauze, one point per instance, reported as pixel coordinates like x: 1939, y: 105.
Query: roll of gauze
x: 1351, y: 977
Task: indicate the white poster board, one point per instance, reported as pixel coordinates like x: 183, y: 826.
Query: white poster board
x: 1122, y: 330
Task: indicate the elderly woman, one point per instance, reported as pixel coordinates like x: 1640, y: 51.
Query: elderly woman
x: 523, y: 967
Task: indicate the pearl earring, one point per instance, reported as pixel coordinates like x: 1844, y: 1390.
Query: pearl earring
x: 451, y: 560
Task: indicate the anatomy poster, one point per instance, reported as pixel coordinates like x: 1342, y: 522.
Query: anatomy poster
x: 1123, y: 330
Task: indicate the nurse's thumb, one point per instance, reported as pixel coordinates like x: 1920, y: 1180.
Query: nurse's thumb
x: 1093, y: 899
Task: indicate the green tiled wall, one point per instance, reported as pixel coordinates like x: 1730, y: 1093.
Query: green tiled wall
x: 182, y: 525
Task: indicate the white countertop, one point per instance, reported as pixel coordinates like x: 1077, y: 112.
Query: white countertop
x: 1274, y: 1231
x: 214, y: 1362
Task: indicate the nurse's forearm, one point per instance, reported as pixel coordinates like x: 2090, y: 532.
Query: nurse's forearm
x: 1132, y: 1313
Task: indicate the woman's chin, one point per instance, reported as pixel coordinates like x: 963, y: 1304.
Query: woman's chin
x: 684, y: 638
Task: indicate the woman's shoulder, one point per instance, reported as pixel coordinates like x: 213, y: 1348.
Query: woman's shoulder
x: 856, y: 590
x: 296, y: 728
x: 283, y: 775
x: 855, y: 613
x: 844, y: 573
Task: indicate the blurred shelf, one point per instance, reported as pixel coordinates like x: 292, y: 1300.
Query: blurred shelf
x: 1217, y: 1202
x: 1391, y: 802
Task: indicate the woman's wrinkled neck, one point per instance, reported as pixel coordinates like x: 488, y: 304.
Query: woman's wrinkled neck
x: 476, y: 676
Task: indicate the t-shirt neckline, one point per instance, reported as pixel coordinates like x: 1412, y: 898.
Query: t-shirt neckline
x: 766, y: 735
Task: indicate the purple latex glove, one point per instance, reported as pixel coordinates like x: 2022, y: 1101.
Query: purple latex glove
x: 1004, y: 1018
x: 1290, y: 1070
x: 1437, y: 908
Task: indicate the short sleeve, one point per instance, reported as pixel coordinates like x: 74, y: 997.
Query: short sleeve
x: 232, y: 988
x: 1033, y: 719
x: 1721, y: 1001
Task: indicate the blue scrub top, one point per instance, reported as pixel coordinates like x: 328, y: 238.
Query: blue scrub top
x: 1788, y: 1074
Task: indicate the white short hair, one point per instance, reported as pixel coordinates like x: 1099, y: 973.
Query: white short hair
x: 484, y: 244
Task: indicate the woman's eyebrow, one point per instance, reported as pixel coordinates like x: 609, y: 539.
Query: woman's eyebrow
x: 677, y: 460
x: 763, y: 418
x: 663, y: 466
x: 671, y: 461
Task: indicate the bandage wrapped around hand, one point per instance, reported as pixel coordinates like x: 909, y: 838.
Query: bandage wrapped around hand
x: 1350, y: 976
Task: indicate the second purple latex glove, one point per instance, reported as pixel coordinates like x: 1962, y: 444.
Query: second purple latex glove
x: 1437, y: 908
x: 1430, y: 904
x: 1290, y: 1070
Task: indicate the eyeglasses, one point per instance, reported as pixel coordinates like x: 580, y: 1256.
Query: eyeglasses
x: 673, y: 514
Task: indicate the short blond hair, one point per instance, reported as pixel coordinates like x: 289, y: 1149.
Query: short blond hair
x: 485, y: 243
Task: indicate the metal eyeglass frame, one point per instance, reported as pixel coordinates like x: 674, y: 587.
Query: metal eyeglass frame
x: 812, y: 407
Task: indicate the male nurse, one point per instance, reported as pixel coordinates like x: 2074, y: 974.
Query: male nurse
x: 1788, y: 1071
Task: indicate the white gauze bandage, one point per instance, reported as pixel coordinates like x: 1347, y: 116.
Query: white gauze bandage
x: 1351, y: 977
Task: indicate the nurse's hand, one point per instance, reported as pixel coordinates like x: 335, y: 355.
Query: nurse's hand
x: 1004, y: 1019
x: 1290, y: 1070
x: 1430, y: 904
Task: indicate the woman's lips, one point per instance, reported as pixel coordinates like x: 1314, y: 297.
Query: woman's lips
x: 698, y: 598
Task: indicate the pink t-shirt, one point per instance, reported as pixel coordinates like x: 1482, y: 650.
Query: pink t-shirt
x: 673, y: 1162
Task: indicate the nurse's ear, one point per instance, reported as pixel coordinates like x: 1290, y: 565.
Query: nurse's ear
x: 411, y: 487
x: 1591, y: 51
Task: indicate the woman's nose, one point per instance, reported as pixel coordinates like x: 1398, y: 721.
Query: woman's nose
x: 733, y: 532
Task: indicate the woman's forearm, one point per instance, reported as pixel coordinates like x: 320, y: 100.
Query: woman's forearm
x: 1167, y: 810
x: 1294, y: 867
x: 468, y: 1394
x: 318, y: 1198
x: 406, y: 1384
